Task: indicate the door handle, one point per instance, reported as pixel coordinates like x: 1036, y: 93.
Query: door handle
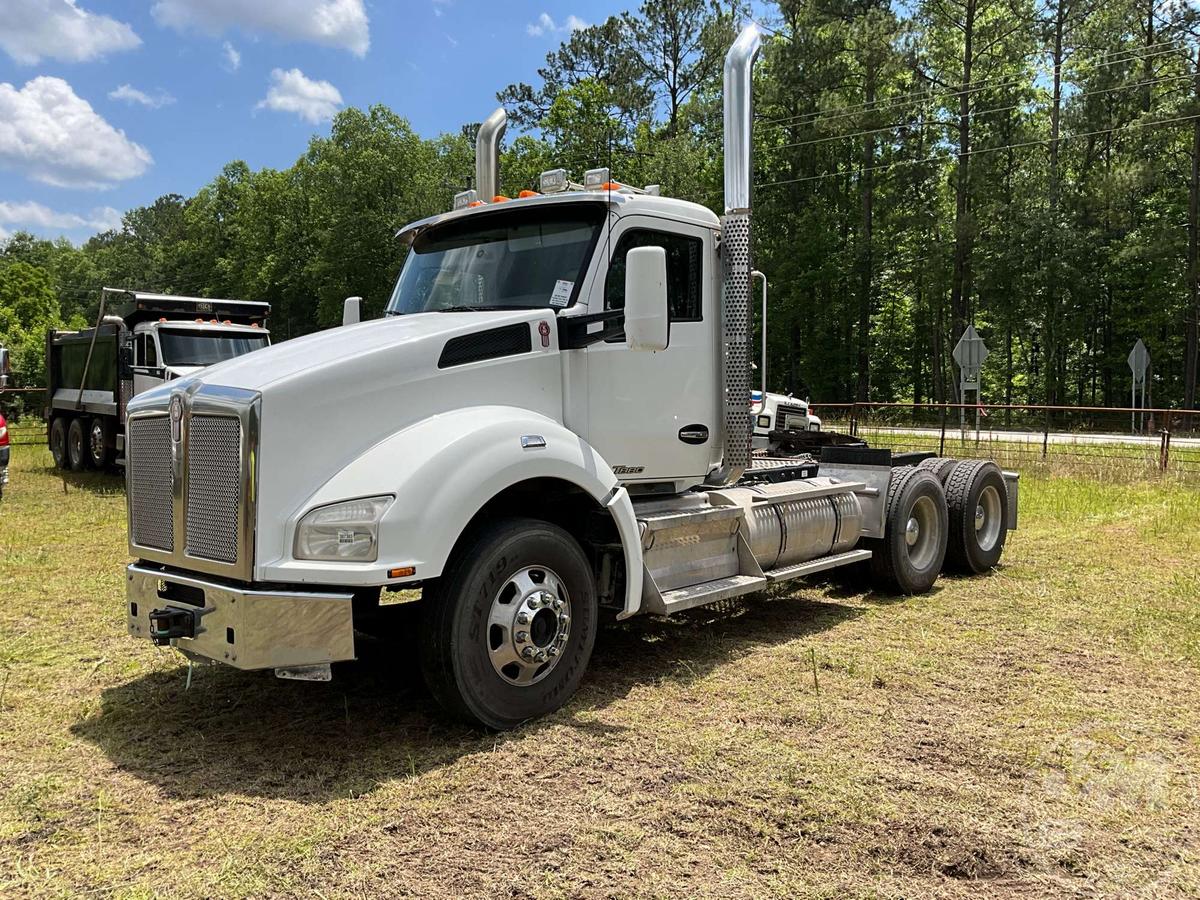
x: 694, y: 434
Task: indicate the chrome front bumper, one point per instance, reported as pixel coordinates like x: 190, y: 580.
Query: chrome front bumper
x: 246, y: 629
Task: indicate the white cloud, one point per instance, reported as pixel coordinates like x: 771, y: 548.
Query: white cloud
x: 452, y: 40
x: 233, y: 58
x: 292, y: 91
x: 34, y: 215
x: 334, y: 23
x: 51, y: 135
x: 438, y: 6
x: 131, y: 95
x: 59, y: 29
x: 4, y: 235
x: 546, y: 25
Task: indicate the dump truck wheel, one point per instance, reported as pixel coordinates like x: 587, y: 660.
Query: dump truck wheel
x: 58, y: 441
x: 939, y: 466
x: 977, y: 498
x: 77, y: 454
x: 509, y: 627
x: 908, y: 559
x: 98, y: 444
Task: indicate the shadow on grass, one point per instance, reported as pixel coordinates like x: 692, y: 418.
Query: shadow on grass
x: 250, y: 733
x: 110, y: 481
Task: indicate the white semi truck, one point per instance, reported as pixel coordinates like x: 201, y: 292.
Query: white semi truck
x: 549, y: 425
x: 91, y: 375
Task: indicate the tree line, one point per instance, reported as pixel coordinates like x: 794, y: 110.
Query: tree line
x: 1029, y: 168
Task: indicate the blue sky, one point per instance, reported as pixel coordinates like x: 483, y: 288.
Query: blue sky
x: 106, y: 105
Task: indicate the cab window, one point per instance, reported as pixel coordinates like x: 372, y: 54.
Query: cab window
x: 684, y: 270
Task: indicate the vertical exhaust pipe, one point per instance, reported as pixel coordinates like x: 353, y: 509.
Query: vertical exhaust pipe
x: 738, y: 93
x: 487, y: 154
x: 735, y: 256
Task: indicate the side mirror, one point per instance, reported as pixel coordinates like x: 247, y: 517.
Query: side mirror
x: 352, y: 311
x: 646, y: 298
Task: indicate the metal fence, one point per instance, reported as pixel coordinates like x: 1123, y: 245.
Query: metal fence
x: 23, y: 408
x: 1102, y: 442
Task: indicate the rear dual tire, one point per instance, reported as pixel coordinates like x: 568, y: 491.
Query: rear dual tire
x: 977, y: 501
x: 908, y: 558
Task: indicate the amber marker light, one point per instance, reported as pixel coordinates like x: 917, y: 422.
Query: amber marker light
x: 402, y: 572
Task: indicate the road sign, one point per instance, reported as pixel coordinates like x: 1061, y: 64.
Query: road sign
x: 1139, y: 361
x: 969, y: 353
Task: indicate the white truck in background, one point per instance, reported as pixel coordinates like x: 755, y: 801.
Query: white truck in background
x: 549, y: 425
x: 91, y: 375
x: 780, y: 412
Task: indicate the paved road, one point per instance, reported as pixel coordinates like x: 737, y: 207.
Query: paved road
x: 1035, y: 437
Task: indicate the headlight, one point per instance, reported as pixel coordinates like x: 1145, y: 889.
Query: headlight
x: 342, y: 531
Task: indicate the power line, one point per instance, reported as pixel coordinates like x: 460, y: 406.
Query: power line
x: 980, y: 112
x: 924, y: 94
x: 940, y: 157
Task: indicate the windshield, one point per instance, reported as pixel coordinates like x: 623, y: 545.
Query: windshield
x: 198, y: 348
x: 516, y: 259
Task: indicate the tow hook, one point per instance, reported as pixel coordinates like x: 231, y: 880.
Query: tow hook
x: 168, y: 624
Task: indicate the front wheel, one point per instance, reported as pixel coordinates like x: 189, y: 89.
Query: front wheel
x: 509, y: 627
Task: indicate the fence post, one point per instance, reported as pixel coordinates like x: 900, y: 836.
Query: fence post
x: 1046, y: 434
x: 1164, y: 449
x: 942, y: 442
x: 854, y: 419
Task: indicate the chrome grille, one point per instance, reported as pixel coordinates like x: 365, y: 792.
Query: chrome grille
x: 214, y: 463
x: 149, y: 455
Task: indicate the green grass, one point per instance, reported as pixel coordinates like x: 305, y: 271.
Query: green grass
x: 1029, y: 733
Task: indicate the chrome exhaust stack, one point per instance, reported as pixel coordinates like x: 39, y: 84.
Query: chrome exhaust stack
x: 735, y: 256
x: 487, y: 154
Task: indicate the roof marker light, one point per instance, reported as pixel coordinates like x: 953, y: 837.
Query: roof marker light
x: 525, y: 195
x: 464, y: 199
x: 595, y: 179
x: 553, y: 181
x: 500, y: 198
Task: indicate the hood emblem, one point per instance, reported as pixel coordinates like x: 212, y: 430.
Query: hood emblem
x: 176, y: 420
x: 544, y: 331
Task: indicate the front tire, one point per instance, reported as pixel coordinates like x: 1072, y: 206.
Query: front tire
x: 77, y: 453
x: 908, y: 559
x: 509, y: 627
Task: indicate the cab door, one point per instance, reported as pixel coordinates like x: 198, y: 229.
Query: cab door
x: 147, y: 372
x: 654, y: 416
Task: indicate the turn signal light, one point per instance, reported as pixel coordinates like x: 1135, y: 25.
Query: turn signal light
x: 402, y: 572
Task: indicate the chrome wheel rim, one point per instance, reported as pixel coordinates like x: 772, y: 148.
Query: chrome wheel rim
x: 528, y: 625
x: 96, y: 438
x: 921, y: 533
x: 988, y: 518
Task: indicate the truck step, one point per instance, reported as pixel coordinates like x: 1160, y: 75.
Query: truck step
x: 817, y: 565
x: 710, y: 592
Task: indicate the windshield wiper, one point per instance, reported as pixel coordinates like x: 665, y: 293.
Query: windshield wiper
x: 480, y: 308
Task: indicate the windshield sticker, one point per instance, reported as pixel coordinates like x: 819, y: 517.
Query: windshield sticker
x: 561, y: 295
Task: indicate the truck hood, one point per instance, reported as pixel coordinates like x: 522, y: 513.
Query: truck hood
x: 349, y: 346
x: 328, y: 398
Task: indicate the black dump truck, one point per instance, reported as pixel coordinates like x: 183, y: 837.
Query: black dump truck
x: 92, y: 374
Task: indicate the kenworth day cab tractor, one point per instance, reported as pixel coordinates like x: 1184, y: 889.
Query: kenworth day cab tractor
x: 550, y: 422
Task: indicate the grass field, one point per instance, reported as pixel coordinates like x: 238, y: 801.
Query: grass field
x: 1030, y: 733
